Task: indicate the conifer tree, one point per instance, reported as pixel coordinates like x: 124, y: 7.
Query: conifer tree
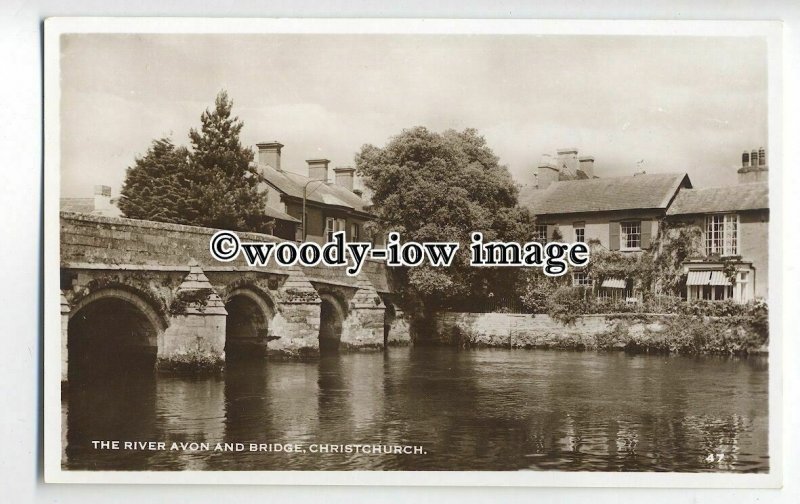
x: 156, y: 184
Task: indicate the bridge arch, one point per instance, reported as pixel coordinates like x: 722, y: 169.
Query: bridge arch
x: 113, y: 331
x: 333, y: 312
x: 247, y: 327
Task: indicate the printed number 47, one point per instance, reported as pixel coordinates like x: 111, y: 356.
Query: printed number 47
x: 711, y: 457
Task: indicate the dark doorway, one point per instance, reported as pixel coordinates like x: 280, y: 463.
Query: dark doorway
x: 330, y: 327
x: 388, y: 318
x: 246, y: 328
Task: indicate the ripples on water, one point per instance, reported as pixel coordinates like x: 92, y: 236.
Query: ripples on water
x: 471, y: 410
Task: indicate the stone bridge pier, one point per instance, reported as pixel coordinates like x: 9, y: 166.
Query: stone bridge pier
x: 140, y: 293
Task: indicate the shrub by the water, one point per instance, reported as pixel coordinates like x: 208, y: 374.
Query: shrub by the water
x: 567, y: 304
x: 192, y: 362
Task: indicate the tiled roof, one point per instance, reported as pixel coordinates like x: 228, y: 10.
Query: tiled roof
x: 752, y: 196
x: 78, y: 205
x: 292, y: 184
x: 646, y: 191
x: 277, y: 214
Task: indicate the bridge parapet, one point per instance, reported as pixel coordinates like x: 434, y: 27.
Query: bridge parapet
x: 166, y: 265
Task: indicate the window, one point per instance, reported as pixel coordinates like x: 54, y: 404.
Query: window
x: 540, y: 233
x: 330, y: 227
x: 630, y: 235
x: 581, y: 279
x: 333, y: 225
x: 580, y: 234
x: 354, y: 232
x: 722, y: 234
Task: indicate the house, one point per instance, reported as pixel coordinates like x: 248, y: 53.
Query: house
x: 734, y: 224
x: 100, y: 204
x: 329, y: 206
x: 618, y: 213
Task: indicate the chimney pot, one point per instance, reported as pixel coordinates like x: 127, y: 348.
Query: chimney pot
x: 745, y: 159
x: 318, y: 169
x: 344, y: 176
x: 754, y: 158
x: 269, y: 153
x: 762, y: 157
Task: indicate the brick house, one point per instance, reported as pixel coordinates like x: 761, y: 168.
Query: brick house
x: 734, y: 225
x: 620, y: 213
x: 330, y: 206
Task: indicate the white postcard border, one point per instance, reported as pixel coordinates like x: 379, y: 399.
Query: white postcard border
x: 54, y: 27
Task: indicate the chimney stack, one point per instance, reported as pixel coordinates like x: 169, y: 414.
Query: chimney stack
x: 586, y: 164
x: 102, y: 198
x: 546, y: 173
x: 754, y: 166
x: 318, y: 169
x: 269, y: 153
x: 568, y: 161
x: 344, y: 176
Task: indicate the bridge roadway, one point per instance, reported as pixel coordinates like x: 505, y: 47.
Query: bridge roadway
x: 134, y: 290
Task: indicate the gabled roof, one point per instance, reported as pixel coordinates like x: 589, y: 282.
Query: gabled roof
x: 291, y: 184
x: 646, y: 191
x: 752, y: 196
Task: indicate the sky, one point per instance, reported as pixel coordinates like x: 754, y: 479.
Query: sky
x: 658, y: 104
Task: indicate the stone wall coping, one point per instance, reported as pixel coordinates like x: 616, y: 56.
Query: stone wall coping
x: 164, y: 226
x: 122, y: 267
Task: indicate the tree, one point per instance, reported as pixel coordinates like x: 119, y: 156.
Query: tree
x: 211, y: 185
x: 441, y: 187
x: 156, y: 184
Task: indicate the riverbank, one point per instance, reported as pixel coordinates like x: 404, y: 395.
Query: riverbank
x: 634, y: 333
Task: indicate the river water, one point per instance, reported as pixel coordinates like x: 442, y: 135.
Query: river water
x: 466, y: 410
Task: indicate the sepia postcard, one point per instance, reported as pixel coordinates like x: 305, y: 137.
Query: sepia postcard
x: 413, y: 252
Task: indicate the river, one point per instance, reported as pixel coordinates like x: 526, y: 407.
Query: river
x: 468, y: 410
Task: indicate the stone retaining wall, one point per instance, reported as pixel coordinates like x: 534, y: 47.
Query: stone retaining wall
x: 537, y: 331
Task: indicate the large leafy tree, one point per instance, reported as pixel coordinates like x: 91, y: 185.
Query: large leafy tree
x: 441, y: 187
x: 212, y: 184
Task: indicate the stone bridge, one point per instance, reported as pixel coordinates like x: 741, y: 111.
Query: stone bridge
x: 143, y: 291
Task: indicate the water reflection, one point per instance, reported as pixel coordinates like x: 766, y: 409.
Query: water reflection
x: 471, y: 410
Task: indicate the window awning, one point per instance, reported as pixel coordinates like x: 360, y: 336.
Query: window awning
x: 614, y: 283
x: 707, y: 277
x: 719, y: 278
x: 698, y: 278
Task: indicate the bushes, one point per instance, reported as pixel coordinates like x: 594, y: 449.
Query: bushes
x: 685, y: 335
x: 568, y: 303
x: 192, y: 362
